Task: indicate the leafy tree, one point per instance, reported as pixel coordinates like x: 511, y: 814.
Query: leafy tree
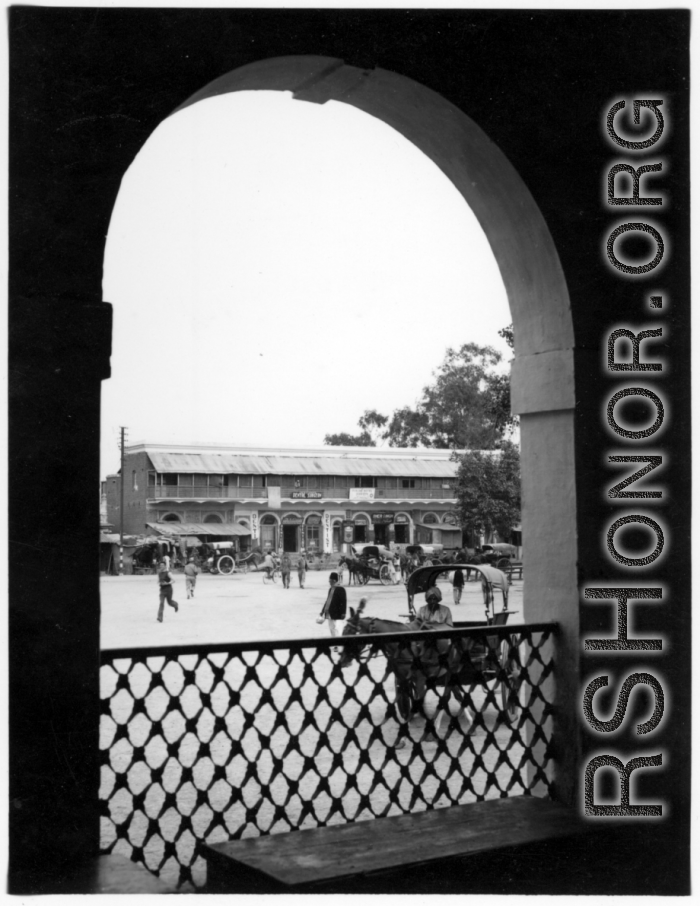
x: 488, y: 490
x: 463, y: 407
x: 349, y: 440
x: 371, y: 425
x: 467, y: 406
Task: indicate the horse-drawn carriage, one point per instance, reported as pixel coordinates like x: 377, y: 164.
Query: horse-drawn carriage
x: 368, y: 561
x: 452, y: 664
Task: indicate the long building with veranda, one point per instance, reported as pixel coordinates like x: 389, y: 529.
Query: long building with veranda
x: 288, y: 498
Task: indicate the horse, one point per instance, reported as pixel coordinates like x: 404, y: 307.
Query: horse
x: 252, y: 559
x: 415, y: 664
x: 408, y: 564
x: 357, y: 569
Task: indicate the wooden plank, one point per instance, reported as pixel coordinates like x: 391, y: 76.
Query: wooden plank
x: 347, y: 850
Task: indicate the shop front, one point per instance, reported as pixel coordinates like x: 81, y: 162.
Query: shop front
x: 402, y: 529
x: 269, y: 528
x: 312, y: 538
x: 291, y: 533
x: 382, y: 523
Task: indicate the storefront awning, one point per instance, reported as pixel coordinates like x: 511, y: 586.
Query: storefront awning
x: 199, y: 528
x: 224, y: 463
x: 441, y: 526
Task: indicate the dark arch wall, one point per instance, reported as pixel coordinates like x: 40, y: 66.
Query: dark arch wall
x: 88, y: 86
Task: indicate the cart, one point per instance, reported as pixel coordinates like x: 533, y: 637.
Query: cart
x: 488, y: 659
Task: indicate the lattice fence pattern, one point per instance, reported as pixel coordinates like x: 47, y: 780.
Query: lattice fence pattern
x: 210, y: 743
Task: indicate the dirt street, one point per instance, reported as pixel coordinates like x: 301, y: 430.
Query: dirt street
x: 242, y: 608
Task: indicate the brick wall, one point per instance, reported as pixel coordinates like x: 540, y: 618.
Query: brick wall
x: 136, y: 468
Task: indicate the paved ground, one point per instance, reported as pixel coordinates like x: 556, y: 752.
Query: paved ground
x: 242, y: 608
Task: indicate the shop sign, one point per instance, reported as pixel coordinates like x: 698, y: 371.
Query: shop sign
x: 291, y: 518
x: 401, y: 519
x: 357, y: 494
x: 254, y: 525
x: 348, y: 531
x: 382, y: 518
x: 327, y: 531
x: 313, y: 520
x: 307, y: 495
x: 450, y: 519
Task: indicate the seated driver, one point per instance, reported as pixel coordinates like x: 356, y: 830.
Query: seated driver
x: 433, y: 611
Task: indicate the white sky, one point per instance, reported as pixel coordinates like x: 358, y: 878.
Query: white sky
x: 277, y: 267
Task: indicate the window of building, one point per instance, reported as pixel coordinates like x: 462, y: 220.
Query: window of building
x: 273, y: 481
x: 151, y: 479
x: 389, y: 483
x: 185, y: 480
x: 258, y: 480
x: 401, y: 535
x: 134, y: 481
x: 245, y: 481
x: 199, y: 481
x: 408, y: 482
x: 361, y: 530
x: 268, y: 533
x: 364, y: 481
x: 169, y: 479
x: 171, y: 517
x: 218, y: 481
x: 430, y: 519
x: 313, y: 537
x: 213, y: 517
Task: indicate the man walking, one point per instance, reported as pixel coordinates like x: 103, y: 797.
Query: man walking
x: 457, y: 585
x: 302, y: 566
x: 191, y: 571
x: 165, y: 583
x: 335, y: 608
x: 286, y: 570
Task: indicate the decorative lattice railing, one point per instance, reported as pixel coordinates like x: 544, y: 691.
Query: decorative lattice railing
x: 214, y: 742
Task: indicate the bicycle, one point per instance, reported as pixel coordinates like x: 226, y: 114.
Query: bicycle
x: 273, y: 576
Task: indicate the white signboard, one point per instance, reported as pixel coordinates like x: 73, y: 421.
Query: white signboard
x: 361, y: 494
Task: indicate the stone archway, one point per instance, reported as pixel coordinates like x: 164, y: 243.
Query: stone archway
x: 543, y: 370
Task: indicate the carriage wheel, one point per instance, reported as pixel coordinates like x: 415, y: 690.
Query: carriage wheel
x: 510, y: 686
x: 404, y: 700
x: 226, y: 565
x: 385, y: 575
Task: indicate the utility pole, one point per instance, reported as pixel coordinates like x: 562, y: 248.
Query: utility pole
x: 121, y: 504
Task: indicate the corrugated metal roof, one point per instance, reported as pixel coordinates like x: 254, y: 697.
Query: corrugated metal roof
x: 224, y: 463
x: 198, y: 528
